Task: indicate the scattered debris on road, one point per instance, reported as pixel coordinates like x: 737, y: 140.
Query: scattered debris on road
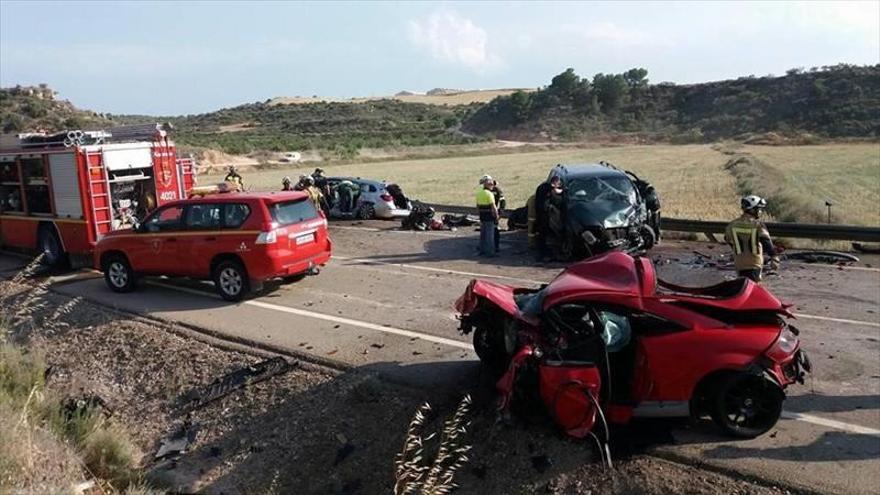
x: 178, y: 442
x: 237, y: 379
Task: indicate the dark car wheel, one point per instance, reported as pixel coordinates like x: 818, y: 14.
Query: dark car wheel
x: 366, y: 212
x: 649, y: 238
x: 231, y: 280
x: 489, y: 346
x: 746, y: 406
x: 118, y: 274
x: 50, y: 246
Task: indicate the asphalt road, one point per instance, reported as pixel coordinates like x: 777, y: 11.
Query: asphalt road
x: 385, y: 304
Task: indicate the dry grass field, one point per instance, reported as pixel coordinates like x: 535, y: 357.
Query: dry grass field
x: 847, y: 174
x: 456, y: 98
x: 692, y: 180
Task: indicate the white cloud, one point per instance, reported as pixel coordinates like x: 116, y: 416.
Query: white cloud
x: 612, y: 34
x: 453, y: 39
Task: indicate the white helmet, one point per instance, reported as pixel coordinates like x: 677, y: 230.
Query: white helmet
x: 753, y: 202
x: 485, y: 179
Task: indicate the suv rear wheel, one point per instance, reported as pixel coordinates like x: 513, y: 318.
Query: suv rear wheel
x: 231, y: 280
x: 118, y: 274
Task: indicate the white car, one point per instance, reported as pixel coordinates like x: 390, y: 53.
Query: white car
x: 373, y: 201
x: 291, y: 157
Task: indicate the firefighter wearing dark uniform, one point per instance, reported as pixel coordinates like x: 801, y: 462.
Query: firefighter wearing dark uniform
x: 750, y: 240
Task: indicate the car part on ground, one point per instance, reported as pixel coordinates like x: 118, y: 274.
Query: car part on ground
x: 419, y: 218
x: 829, y: 257
x: 639, y: 346
x: 235, y: 380
x: 178, y: 442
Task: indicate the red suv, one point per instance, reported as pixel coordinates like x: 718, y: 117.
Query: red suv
x: 239, y: 240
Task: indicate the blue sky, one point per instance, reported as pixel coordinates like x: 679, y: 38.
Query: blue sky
x: 166, y: 58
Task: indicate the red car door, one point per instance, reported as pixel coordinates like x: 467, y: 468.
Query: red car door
x: 201, y: 238
x: 155, y: 248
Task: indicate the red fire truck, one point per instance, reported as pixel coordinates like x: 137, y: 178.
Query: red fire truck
x: 60, y: 193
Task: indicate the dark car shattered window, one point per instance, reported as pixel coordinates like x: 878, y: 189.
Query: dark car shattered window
x: 604, y: 189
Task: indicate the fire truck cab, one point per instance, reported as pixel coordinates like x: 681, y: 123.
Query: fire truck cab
x: 60, y: 193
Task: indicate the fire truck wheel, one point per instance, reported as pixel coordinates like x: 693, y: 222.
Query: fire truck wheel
x: 49, y: 245
x: 231, y: 280
x: 118, y: 274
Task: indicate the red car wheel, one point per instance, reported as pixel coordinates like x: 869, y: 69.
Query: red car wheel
x: 745, y: 405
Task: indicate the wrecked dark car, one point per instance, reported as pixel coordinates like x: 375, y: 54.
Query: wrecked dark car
x: 603, y: 208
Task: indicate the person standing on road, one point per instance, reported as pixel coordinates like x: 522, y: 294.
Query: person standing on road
x: 750, y: 240
x: 488, y: 218
x: 500, y: 203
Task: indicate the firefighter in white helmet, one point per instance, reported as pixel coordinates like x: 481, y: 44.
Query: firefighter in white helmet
x: 750, y: 240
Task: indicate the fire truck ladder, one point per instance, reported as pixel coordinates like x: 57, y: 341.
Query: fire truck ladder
x: 99, y: 196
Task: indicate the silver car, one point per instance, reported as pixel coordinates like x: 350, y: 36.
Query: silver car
x: 373, y: 201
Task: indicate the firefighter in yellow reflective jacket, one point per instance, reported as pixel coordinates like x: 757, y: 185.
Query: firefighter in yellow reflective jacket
x: 488, y: 217
x: 748, y: 237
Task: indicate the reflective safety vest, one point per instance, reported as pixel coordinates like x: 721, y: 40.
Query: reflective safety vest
x: 485, y: 203
x: 743, y: 235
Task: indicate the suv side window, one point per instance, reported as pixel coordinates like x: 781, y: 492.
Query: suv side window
x: 165, y: 220
x: 204, y: 216
x: 234, y: 215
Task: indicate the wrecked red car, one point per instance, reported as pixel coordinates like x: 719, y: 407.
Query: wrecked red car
x: 607, y: 341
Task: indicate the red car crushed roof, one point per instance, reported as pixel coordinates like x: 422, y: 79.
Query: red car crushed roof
x: 646, y: 347
x: 238, y: 240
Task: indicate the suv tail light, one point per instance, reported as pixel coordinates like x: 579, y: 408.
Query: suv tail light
x: 386, y: 197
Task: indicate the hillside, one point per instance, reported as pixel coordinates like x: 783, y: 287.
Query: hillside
x: 344, y: 127
x: 34, y: 108
x: 837, y: 101
x: 435, y: 96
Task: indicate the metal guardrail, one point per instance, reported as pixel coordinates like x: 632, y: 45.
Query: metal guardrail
x: 793, y: 230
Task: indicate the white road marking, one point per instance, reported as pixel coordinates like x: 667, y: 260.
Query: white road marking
x: 830, y: 423
x: 438, y: 270
x: 838, y: 320
x: 334, y: 319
